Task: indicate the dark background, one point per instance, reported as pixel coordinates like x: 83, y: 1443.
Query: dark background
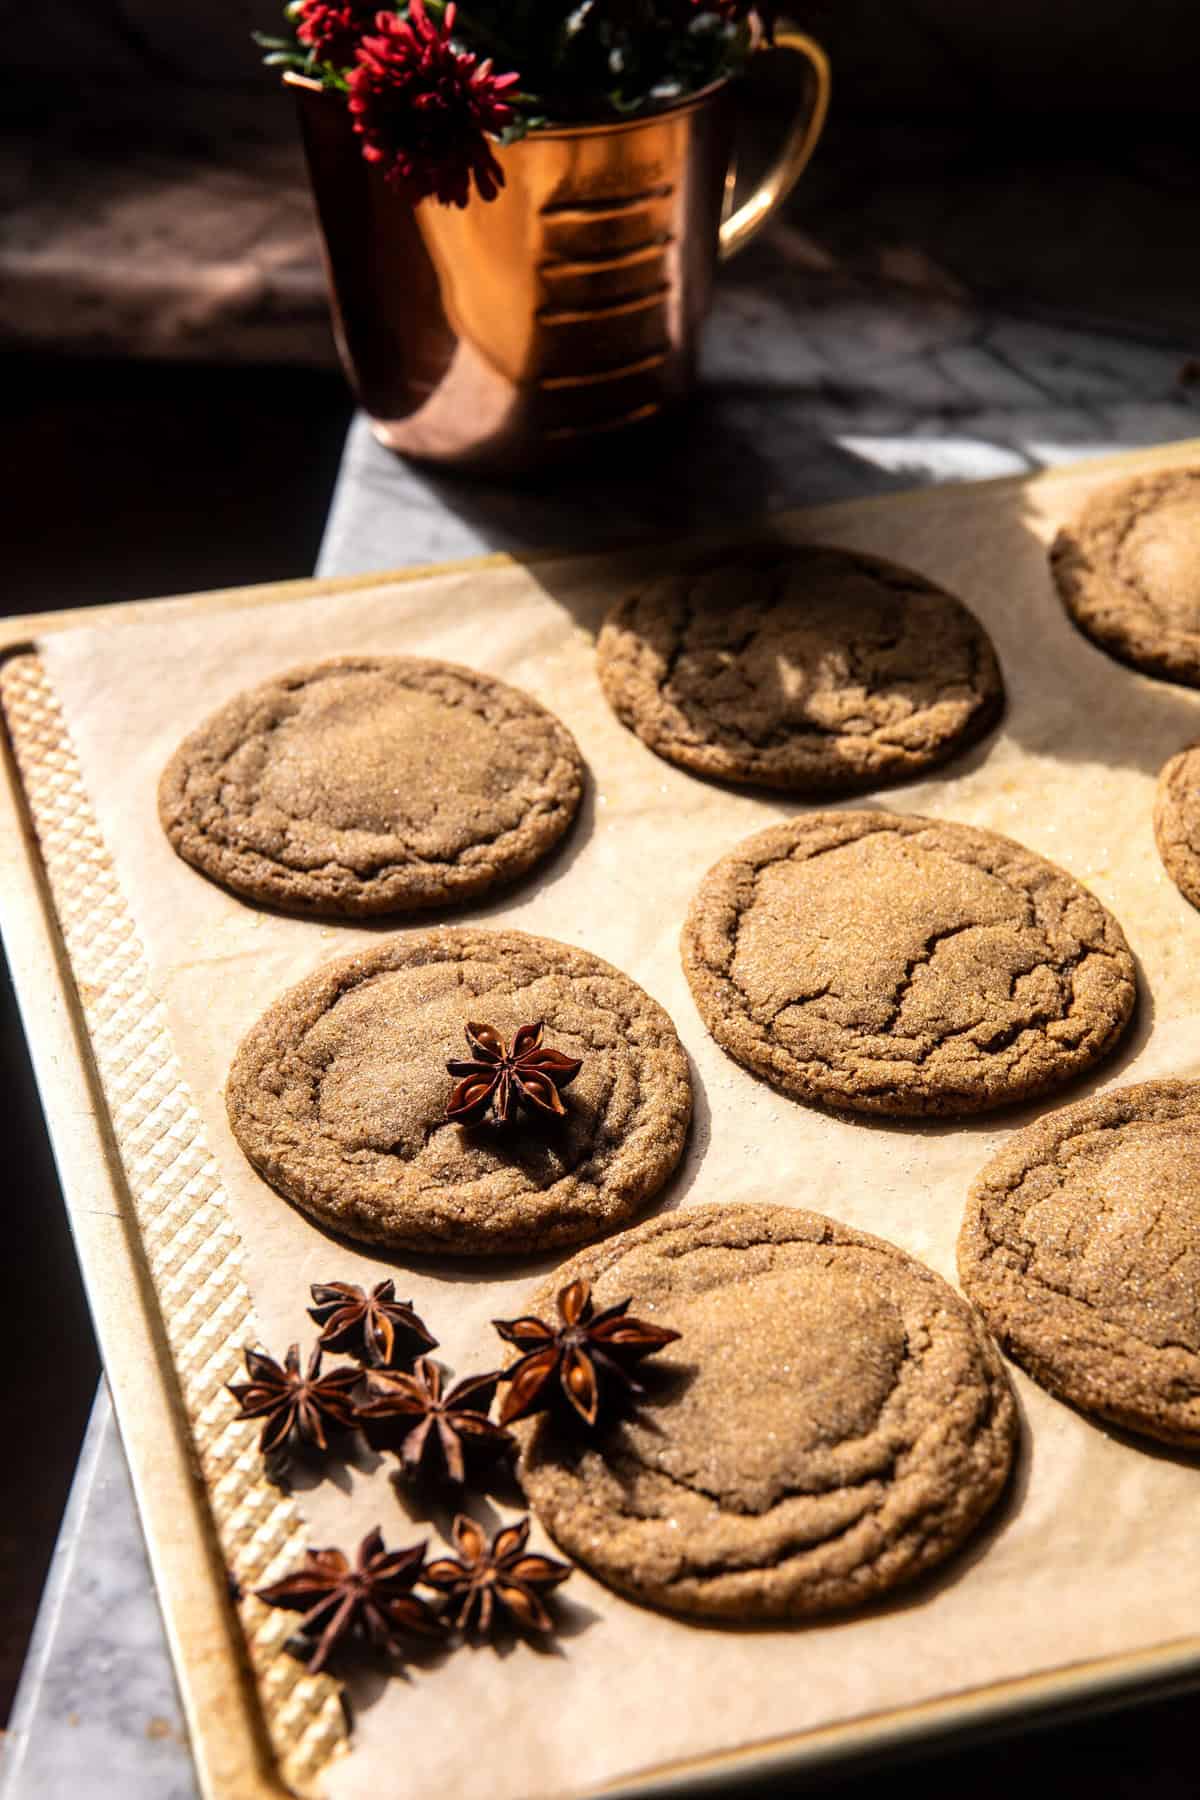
x: 949, y: 56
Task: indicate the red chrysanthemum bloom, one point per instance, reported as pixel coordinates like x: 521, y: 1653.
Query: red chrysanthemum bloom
x: 333, y: 31
x: 423, y: 108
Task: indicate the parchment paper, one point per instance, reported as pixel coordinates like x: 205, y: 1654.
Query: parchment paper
x: 1095, y: 1552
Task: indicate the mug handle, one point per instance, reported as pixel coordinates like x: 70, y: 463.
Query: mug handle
x: 777, y: 184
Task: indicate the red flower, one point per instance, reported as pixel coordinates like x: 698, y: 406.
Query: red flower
x: 333, y: 31
x: 423, y: 108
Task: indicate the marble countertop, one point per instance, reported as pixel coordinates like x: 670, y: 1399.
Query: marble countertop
x: 817, y: 386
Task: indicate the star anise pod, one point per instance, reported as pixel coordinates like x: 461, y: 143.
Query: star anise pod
x: 501, y: 1075
x: 587, y: 1349
x: 288, y: 1402
x: 438, y: 1429
x: 483, y: 1577
x: 368, y: 1326
x: 370, y: 1598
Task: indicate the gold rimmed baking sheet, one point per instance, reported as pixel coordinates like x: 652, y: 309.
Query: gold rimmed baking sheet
x: 137, y: 979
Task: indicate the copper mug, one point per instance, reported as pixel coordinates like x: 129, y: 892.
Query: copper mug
x: 507, y: 334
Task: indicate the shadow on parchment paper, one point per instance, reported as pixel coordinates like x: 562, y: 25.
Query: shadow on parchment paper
x: 366, y: 1678
x: 299, y: 1470
x: 1178, y: 1454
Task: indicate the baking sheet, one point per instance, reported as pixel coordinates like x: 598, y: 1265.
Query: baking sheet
x: 1094, y: 1554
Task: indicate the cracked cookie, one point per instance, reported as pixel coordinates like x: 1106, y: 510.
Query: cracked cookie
x: 1081, y: 1247
x: 833, y: 1422
x: 1128, y: 572
x: 371, y: 784
x: 895, y: 964
x: 338, y: 1096
x: 1177, y: 821
x: 800, y: 667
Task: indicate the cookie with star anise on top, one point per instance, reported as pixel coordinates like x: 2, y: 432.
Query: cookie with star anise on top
x: 563, y: 1111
